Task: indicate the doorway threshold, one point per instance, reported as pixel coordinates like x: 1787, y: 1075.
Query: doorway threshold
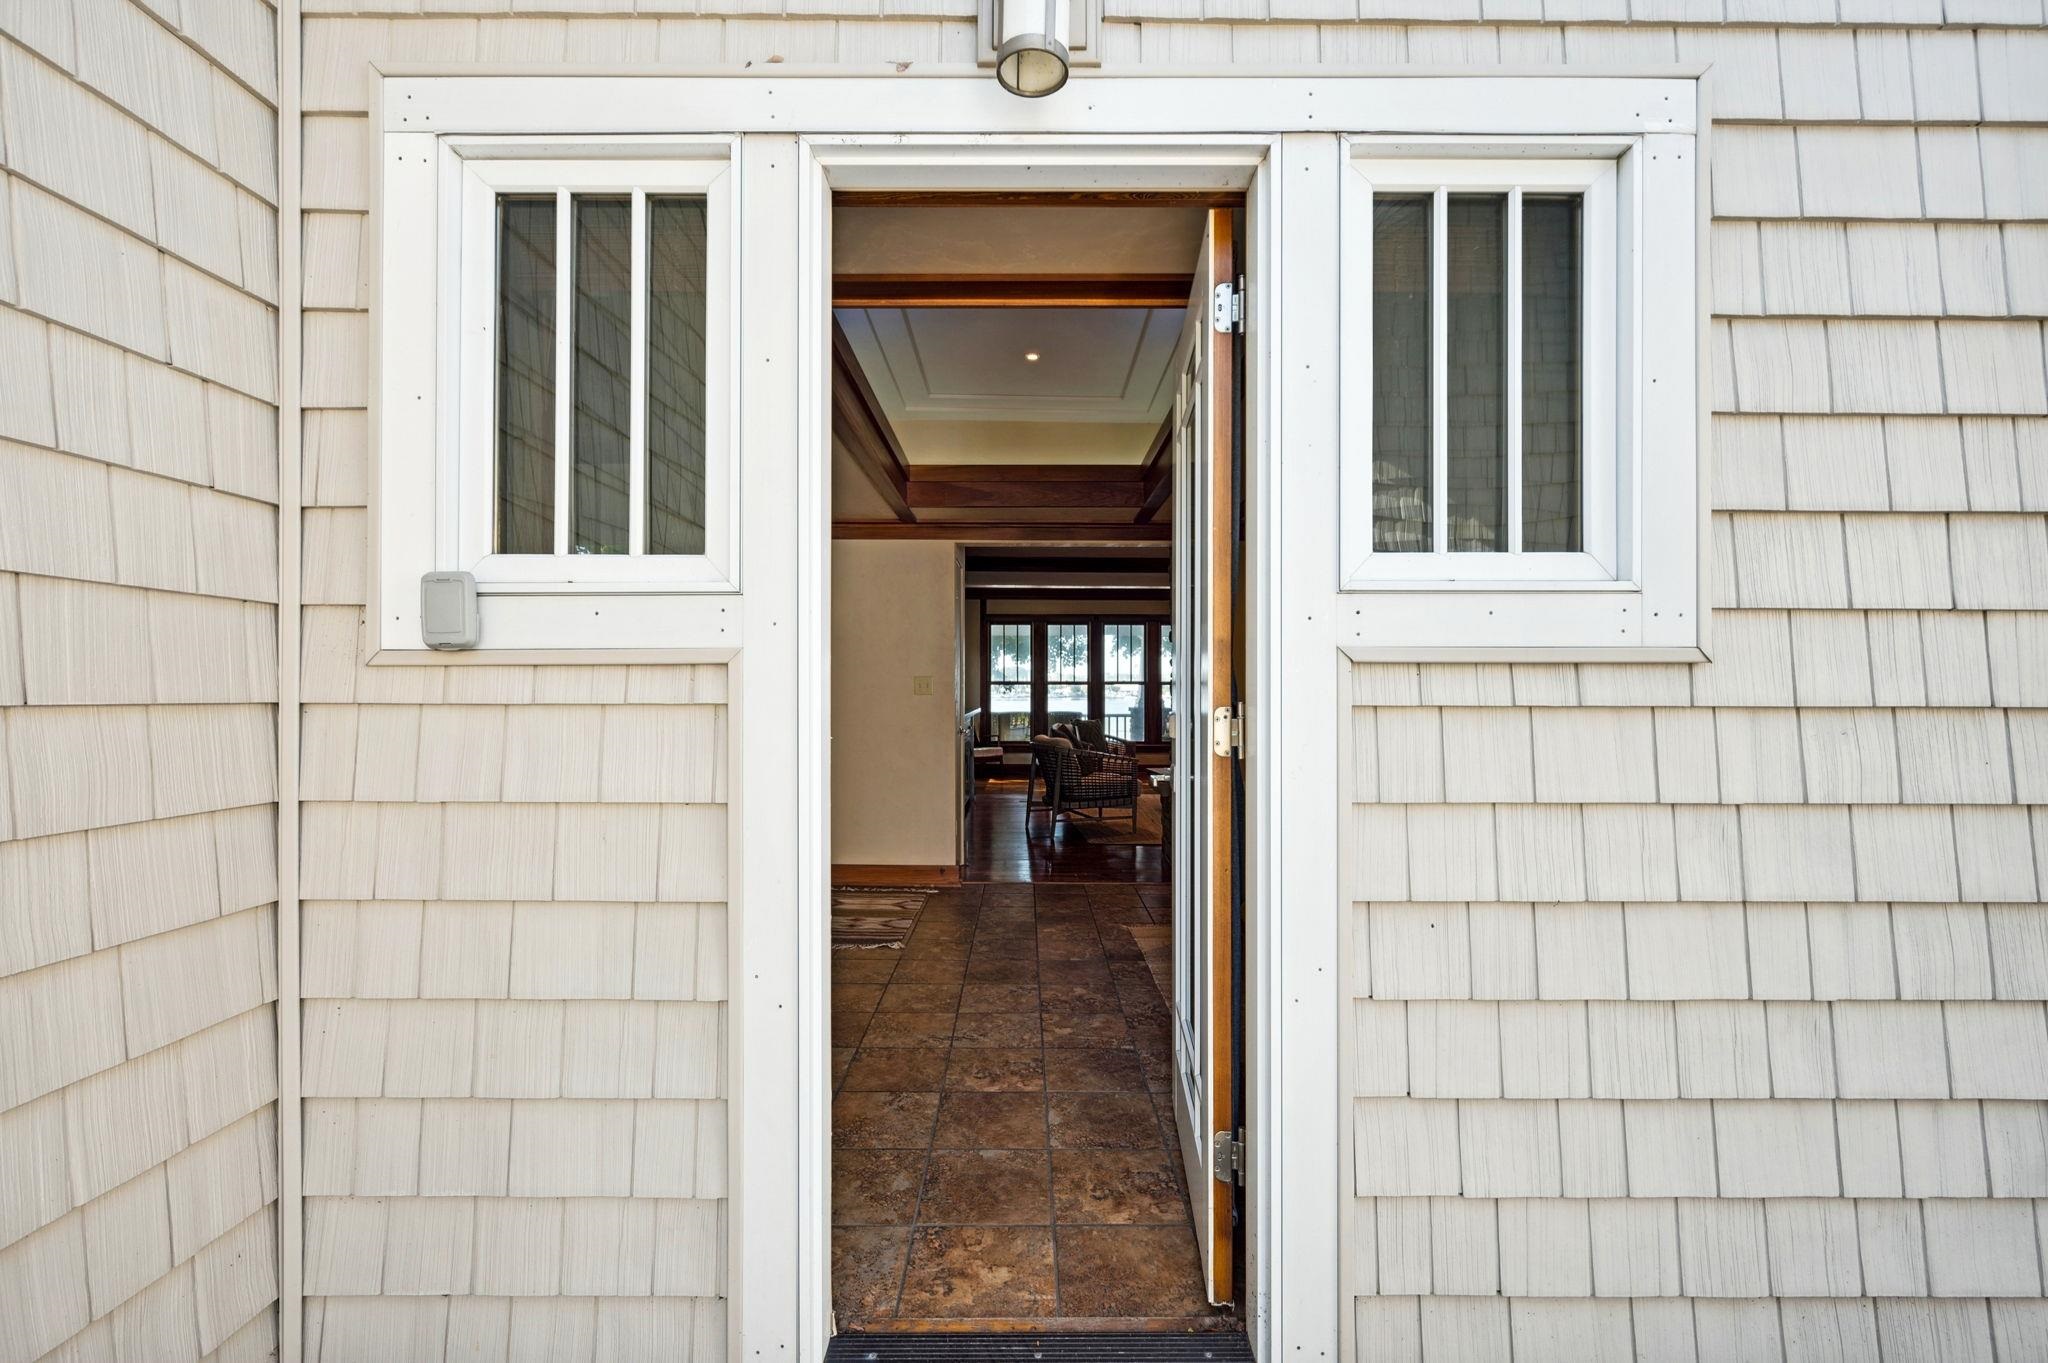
x: 1019, y: 1347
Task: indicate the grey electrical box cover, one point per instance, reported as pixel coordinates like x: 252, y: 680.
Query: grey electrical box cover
x: 448, y: 614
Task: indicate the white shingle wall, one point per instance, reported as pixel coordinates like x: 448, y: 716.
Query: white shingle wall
x: 138, y: 582
x: 1698, y: 1008
x: 514, y: 927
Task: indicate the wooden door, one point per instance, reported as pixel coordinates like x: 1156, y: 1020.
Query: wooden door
x: 1204, y: 756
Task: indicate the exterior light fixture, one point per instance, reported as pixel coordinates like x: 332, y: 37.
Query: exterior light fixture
x: 1032, y: 59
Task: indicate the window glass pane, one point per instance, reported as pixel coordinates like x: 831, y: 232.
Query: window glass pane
x: 675, y: 375
x: 600, y: 491
x: 526, y: 376
x: 1400, y: 374
x: 1009, y: 692
x: 1123, y: 653
x: 1009, y: 653
x: 1009, y: 707
x: 1123, y: 710
x: 1550, y: 374
x: 1066, y: 673
x: 1166, y: 653
x: 1476, y: 301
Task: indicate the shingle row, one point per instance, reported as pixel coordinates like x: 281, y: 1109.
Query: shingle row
x: 399, y: 1048
x: 409, y: 1147
x: 1867, y: 463
x: 577, y: 1329
x: 520, y: 1247
x: 1795, y: 1330
x: 638, y: 853
x: 523, y: 753
x: 1694, y: 951
x: 1571, y: 853
x: 1766, y: 658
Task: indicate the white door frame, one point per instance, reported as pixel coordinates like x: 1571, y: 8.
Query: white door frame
x: 1294, y: 1154
x: 802, y: 132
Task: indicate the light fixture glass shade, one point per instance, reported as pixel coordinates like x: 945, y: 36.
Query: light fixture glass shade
x: 1031, y: 59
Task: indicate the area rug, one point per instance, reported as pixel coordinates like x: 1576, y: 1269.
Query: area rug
x: 1116, y: 831
x: 870, y: 920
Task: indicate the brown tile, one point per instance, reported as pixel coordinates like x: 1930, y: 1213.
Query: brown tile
x: 1103, y: 1121
x: 985, y: 1188
x: 842, y: 1059
x: 1077, y: 998
x: 1069, y: 944
x: 1095, y: 1070
x: 863, y: 967
x: 896, y: 1068
x: 867, y: 1271
x: 1073, y: 972
x: 909, y: 1029
x: 990, y: 1121
x: 883, y: 1121
x: 994, y: 1071
x: 909, y: 996
x: 998, y: 998
x: 1002, y: 970
x: 987, y: 1271
x: 849, y: 1025
x: 1076, y: 1029
x: 926, y: 970
x: 856, y: 997
x: 1117, y: 1188
x: 1130, y: 1271
x: 875, y: 1187
x: 1014, y: 1030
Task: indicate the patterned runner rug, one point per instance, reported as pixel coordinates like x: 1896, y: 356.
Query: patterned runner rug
x: 869, y: 920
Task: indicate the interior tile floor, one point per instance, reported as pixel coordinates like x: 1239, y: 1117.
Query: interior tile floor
x: 1002, y: 1124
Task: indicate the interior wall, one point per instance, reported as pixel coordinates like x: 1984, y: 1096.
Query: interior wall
x: 895, y: 753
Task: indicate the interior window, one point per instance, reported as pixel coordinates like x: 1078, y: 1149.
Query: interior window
x: 1010, y: 671
x: 1123, y: 682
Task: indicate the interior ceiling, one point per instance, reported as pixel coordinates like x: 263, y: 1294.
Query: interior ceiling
x: 955, y: 426
x: 1016, y: 240
x: 1102, y: 374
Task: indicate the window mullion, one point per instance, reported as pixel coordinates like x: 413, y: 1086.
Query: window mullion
x: 565, y: 362
x: 1439, y: 370
x: 1513, y: 415
x: 636, y: 387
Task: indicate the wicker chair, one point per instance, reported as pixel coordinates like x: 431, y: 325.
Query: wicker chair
x: 1078, y: 780
x: 1092, y: 738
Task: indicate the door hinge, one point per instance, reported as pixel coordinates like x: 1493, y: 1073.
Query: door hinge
x: 1226, y: 1157
x: 1226, y: 730
x: 1226, y: 307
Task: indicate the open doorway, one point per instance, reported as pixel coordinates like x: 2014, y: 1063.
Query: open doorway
x: 1036, y: 1022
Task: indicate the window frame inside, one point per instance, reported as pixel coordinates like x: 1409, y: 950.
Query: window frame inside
x: 466, y: 519
x: 1156, y: 690
x: 1606, y: 473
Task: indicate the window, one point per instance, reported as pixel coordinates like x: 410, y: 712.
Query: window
x: 579, y: 462
x: 1038, y: 673
x: 1519, y: 329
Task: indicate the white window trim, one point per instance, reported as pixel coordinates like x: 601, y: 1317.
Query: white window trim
x: 1627, y: 590
x: 439, y: 243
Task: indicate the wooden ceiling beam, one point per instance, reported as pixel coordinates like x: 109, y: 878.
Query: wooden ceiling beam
x: 968, y: 532
x: 1008, y: 486
x: 1011, y: 291
x: 1158, y: 474
x: 859, y: 425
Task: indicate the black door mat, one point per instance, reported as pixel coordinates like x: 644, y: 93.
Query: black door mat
x: 1020, y: 1348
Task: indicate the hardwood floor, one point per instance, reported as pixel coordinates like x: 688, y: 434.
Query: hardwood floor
x: 999, y: 847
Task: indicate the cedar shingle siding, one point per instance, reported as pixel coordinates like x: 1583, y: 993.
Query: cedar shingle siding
x: 138, y: 590
x: 1697, y: 1011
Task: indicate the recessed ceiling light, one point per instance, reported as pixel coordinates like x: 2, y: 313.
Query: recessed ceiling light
x: 1032, y: 356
